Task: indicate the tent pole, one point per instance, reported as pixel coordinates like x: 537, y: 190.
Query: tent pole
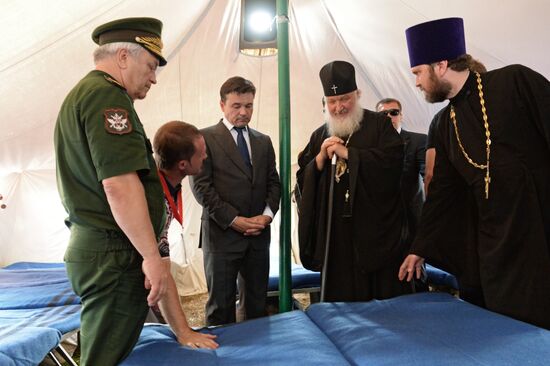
x: 285, y: 285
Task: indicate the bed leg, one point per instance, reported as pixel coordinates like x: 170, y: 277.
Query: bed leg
x: 65, y: 356
x: 53, y: 358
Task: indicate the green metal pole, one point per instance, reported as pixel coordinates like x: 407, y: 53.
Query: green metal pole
x: 285, y: 285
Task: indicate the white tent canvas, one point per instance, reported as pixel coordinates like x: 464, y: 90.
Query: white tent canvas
x: 47, y: 48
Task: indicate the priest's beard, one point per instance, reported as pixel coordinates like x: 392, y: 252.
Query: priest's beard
x: 440, y: 89
x: 346, y: 125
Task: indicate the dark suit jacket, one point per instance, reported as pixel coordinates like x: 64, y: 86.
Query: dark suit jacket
x: 226, y: 188
x: 411, y: 180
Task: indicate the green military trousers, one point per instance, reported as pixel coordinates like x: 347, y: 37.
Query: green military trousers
x: 105, y: 271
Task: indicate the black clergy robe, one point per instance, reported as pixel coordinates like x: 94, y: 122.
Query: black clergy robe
x: 412, y: 178
x: 366, y: 245
x: 500, y: 244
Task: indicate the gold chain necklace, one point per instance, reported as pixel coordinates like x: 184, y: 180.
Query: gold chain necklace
x: 487, y: 134
x: 341, y: 165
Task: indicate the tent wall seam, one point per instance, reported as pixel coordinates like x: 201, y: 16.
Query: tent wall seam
x: 192, y: 30
x: 259, y: 93
x: 180, y: 87
x: 35, y: 53
x: 358, y: 64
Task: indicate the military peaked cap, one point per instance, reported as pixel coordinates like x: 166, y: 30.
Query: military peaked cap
x: 143, y: 31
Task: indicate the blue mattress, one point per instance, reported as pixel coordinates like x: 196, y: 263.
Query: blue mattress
x: 301, y: 278
x: 37, y: 306
x: 62, y: 318
x: 420, y: 329
x: 283, y: 339
x: 439, y: 277
x: 429, y: 329
x: 27, y: 346
x: 35, y: 265
x: 35, y: 288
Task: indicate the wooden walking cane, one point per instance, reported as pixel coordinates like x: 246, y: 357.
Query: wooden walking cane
x: 329, y: 226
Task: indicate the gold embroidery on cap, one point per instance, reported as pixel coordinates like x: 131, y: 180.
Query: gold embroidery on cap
x: 153, y: 43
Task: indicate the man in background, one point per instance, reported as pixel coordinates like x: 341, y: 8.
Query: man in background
x: 239, y: 190
x: 413, y: 165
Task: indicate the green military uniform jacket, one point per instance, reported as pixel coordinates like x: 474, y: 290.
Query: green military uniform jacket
x: 98, y: 135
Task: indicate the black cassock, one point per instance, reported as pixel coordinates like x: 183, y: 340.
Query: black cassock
x: 500, y: 244
x: 366, y: 246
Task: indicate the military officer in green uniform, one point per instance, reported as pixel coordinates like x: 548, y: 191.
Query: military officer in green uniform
x: 109, y: 185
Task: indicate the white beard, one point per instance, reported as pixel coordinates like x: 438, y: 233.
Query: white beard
x: 344, y: 126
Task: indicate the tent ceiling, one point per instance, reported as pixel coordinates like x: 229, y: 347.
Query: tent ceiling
x: 47, y: 48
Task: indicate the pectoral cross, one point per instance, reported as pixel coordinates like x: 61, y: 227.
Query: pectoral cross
x: 334, y: 87
x: 347, y: 195
x: 487, y: 181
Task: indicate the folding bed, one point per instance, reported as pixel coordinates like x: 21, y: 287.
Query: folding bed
x: 26, y: 346
x: 283, y: 339
x: 440, y: 278
x: 429, y: 328
x: 418, y: 329
x: 303, y: 281
x: 37, y: 306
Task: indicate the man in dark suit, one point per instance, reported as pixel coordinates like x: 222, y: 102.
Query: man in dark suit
x: 239, y: 190
x: 413, y: 166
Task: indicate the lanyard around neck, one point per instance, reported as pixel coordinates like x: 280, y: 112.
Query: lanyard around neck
x: 176, y: 211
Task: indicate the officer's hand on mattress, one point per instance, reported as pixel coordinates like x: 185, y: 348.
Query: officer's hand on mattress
x: 411, y: 265
x: 156, y: 278
x: 198, y: 340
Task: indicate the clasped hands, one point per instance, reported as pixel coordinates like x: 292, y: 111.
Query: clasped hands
x: 332, y: 145
x: 251, y: 226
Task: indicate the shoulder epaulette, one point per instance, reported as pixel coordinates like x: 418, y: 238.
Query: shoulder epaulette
x: 113, y: 81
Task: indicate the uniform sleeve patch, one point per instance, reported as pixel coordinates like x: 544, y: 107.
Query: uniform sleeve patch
x: 117, y: 121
